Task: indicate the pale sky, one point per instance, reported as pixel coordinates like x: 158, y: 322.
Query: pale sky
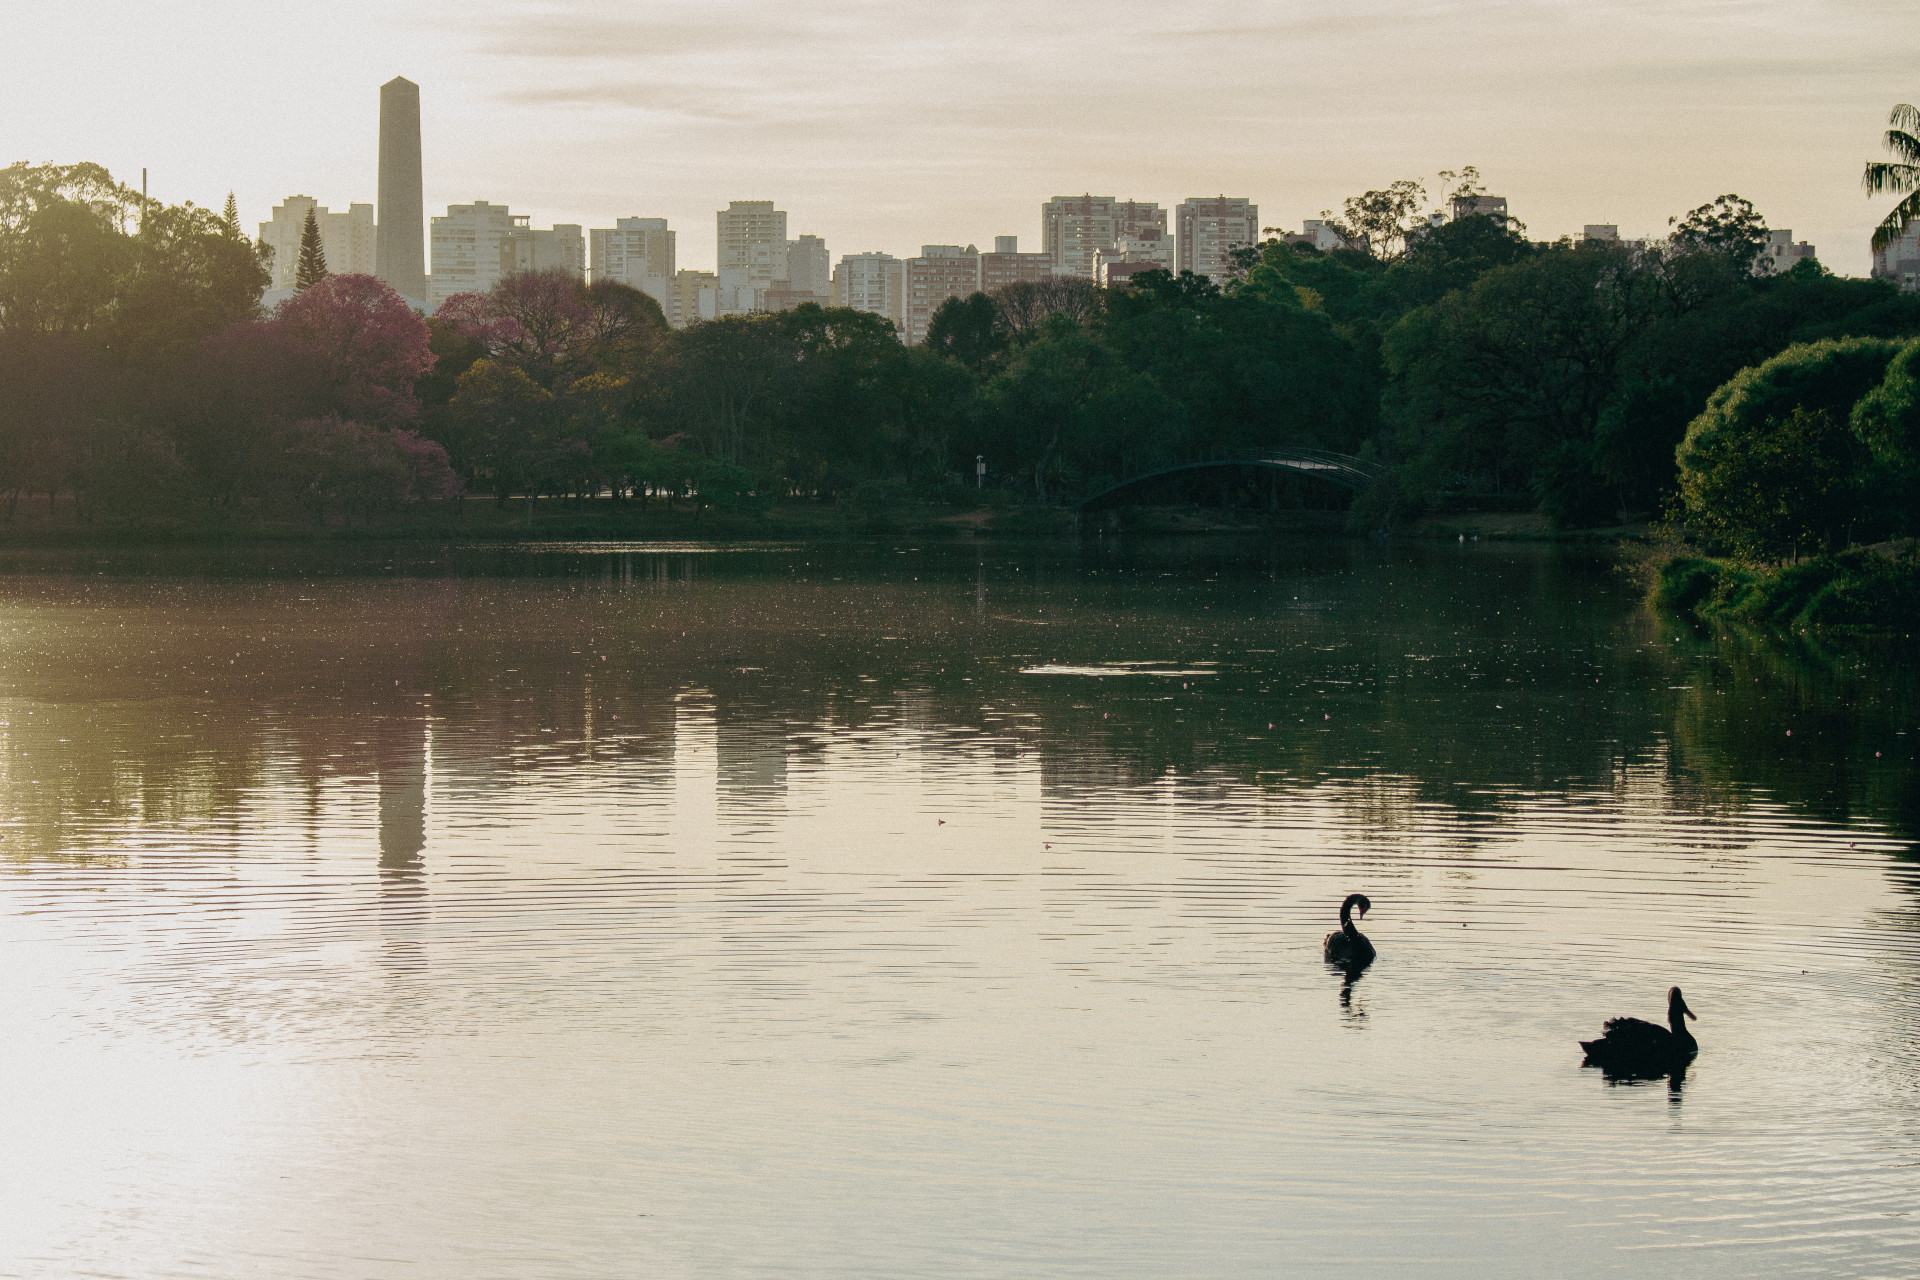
x: 886, y: 126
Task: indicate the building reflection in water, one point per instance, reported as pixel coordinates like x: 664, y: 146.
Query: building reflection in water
x: 403, y: 745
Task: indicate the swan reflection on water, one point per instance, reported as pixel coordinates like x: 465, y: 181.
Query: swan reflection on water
x: 1349, y: 975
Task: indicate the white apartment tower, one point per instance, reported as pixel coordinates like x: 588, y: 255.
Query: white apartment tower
x: 875, y: 282
x: 753, y: 253
x: 464, y: 248
x: 1076, y: 229
x: 636, y: 252
x: 477, y: 245
x: 346, y: 238
x: 1206, y: 231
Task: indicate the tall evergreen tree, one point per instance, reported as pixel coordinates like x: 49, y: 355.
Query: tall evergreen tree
x: 313, y: 259
x: 232, y: 216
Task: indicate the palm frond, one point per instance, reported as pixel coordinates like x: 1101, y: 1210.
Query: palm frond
x: 1895, y: 224
x: 1904, y: 145
x: 1905, y: 116
x: 1882, y: 175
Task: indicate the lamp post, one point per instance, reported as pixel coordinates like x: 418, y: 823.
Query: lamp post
x: 979, y: 471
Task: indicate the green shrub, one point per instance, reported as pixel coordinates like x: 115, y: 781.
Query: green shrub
x: 1857, y: 590
x: 1771, y: 467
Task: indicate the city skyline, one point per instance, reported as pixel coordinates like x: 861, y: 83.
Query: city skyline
x: 951, y: 128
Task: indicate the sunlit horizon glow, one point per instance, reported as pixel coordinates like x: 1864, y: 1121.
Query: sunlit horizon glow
x: 886, y: 127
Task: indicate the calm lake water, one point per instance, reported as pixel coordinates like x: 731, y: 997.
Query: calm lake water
x: 940, y: 911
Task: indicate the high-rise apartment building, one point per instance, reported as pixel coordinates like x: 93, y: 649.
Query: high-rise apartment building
x: 1206, y: 231
x: 809, y: 277
x: 1899, y: 260
x: 753, y: 253
x: 1076, y: 229
x: 941, y: 271
x: 467, y: 245
x: 1135, y: 217
x: 809, y: 268
x: 476, y: 245
x: 348, y: 239
x: 637, y: 252
x: 562, y: 249
x: 692, y: 296
x: 400, y: 256
x: 1007, y: 265
x: 875, y: 282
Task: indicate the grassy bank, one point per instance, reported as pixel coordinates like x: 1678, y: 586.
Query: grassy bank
x: 1863, y: 589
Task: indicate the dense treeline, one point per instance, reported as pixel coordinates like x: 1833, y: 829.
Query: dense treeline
x: 139, y: 376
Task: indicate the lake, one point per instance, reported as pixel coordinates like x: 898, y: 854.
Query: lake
x: 940, y: 910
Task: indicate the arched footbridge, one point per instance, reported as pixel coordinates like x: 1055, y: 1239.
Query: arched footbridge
x: 1342, y: 469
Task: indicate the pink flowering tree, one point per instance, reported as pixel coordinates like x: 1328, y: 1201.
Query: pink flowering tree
x: 534, y: 320
x: 370, y: 342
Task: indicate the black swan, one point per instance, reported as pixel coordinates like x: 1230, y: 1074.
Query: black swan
x: 1632, y: 1047
x: 1347, y: 945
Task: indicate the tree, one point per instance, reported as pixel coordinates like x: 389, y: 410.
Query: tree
x: 968, y: 330
x: 368, y: 340
x: 64, y: 252
x: 1500, y: 388
x: 621, y: 328
x: 1728, y: 227
x: 728, y: 380
x: 1901, y: 174
x: 312, y: 268
x: 1377, y: 222
x: 1453, y: 256
x: 1770, y: 467
x: 502, y: 425
x: 330, y: 461
x: 231, y: 216
x: 557, y: 328
x: 1887, y: 419
x: 221, y: 404
x: 1020, y: 308
x: 189, y: 281
x: 1043, y: 403
x: 1244, y: 370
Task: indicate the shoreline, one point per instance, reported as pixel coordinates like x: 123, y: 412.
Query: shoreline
x: 485, y: 522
